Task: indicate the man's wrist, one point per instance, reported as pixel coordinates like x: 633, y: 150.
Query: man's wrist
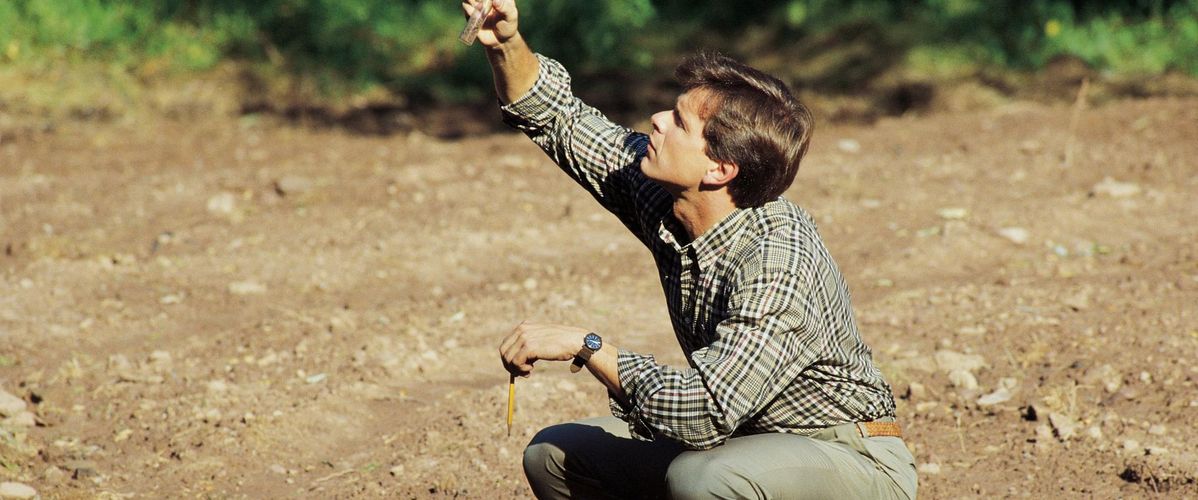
x: 506, y: 48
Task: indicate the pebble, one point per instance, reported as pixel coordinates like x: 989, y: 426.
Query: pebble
x: 962, y: 379
x: 316, y: 379
x: 918, y: 391
x: 1131, y: 445
x: 950, y: 360
x: 16, y: 490
x: 1078, y: 301
x: 1116, y: 189
x: 397, y: 471
x: 849, y: 146
x: 1016, y: 235
x: 929, y: 468
x: 248, y: 287
x: 10, y: 405
x: 952, y: 213
x: 292, y: 184
x: 223, y: 204
x: 54, y: 475
x: 1094, y: 432
x: 82, y: 469
x: 1158, y: 430
x: 1001, y: 395
x: 23, y: 419
x: 278, y: 469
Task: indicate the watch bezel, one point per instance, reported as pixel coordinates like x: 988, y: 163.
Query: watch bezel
x: 593, y: 341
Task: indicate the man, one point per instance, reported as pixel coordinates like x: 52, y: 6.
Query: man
x: 781, y: 398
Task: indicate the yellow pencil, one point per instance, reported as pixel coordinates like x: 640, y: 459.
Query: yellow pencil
x: 511, y: 402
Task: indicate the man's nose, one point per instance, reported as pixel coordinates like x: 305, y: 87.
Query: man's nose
x: 656, y: 120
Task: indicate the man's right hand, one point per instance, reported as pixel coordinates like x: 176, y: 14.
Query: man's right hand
x: 500, y: 24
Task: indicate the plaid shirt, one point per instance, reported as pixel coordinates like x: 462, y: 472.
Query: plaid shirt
x: 757, y: 303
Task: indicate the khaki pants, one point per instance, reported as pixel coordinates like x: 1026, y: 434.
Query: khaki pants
x: 596, y: 458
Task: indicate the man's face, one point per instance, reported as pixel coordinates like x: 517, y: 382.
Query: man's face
x: 677, y: 157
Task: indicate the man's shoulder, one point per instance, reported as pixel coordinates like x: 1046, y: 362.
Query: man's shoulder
x: 781, y: 238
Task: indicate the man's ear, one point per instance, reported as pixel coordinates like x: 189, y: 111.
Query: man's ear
x: 720, y: 174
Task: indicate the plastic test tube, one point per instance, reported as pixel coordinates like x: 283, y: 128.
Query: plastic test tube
x: 470, y: 32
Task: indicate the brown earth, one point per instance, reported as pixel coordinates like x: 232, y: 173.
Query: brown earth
x: 239, y: 308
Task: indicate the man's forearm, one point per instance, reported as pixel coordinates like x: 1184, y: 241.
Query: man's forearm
x: 515, y: 68
x: 604, y: 365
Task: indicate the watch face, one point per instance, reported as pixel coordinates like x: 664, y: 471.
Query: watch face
x: 592, y: 341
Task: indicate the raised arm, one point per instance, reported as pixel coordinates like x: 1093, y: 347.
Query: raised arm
x: 601, y: 156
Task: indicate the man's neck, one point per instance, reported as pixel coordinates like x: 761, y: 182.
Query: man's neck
x: 702, y: 211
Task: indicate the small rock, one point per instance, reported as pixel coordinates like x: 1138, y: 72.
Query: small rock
x: 10, y: 405
x: 1116, y: 189
x: 123, y: 435
x: 529, y: 284
x: 1016, y: 235
x: 962, y: 379
x: 16, y: 490
x: 218, y: 386
x: 397, y: 471
x: 1156, y: 450
x: 1043, y: 434
x: 292, y: 185
x: 1131, y: 446
x: 1157, y: 430
x: 316, y: 379
x: 223, y: 204
x: 54, y: 475
x: 951, y: 360
x: 952, y: 213
x: 23, y: 419
x: 1065, y: 426
x: 929, y: 468
x: 849, y: 146
x: 82, y: 469
x: 1078, y: 301
x: 1001, y: 395
x: 918, y: 391
x: 278, y: 469
x: 1094, y: 432
x: 249, y: 287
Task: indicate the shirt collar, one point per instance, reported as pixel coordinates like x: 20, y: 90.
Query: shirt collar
x: 709, y: 245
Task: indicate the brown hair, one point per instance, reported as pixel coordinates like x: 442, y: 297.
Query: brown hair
x: 753, y: 120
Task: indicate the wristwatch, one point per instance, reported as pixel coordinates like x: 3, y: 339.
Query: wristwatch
x: 591, y: 343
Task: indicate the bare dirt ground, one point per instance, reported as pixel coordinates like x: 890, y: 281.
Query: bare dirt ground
x: 235, y: 308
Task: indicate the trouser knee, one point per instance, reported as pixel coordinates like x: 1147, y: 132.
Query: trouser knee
x: 696, y: 475
x: 543, y: 460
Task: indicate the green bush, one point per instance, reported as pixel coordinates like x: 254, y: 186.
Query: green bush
x: 410, y: 46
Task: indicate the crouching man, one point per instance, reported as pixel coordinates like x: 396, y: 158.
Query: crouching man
x: 781, y: 398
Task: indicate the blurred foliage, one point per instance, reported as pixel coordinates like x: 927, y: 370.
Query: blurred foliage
x: 410, y: 47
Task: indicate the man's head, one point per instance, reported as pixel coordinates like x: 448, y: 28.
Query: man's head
x: 750, y: 131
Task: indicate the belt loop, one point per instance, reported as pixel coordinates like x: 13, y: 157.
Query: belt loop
x: 861, y: 429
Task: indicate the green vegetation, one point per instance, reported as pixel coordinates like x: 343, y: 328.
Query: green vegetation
x: 409, y: 47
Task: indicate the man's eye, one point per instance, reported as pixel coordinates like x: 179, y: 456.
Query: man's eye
x: 678, y: 120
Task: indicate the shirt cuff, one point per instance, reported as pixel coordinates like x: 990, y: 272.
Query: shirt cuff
x: 640, y: 380
x: 549, y: 95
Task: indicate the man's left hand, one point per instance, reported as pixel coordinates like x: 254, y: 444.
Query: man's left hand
x: 532, y: 342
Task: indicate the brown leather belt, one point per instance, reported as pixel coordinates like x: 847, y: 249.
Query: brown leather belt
x: 876, y: 429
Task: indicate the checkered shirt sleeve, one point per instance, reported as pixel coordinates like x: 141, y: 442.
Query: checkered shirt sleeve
x: 603, y: 157
x: 763, y: 345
